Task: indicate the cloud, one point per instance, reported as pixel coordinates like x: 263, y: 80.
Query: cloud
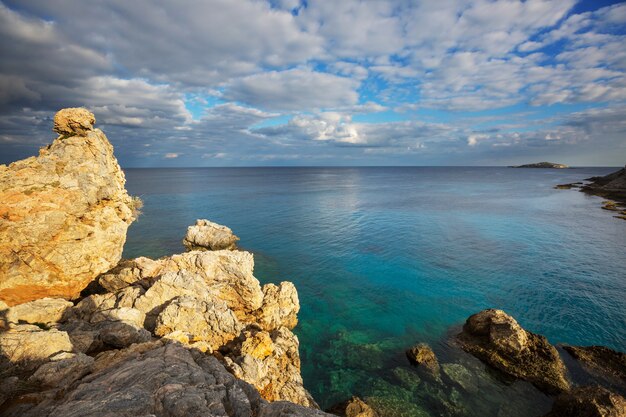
x: 171, y: 155
x: 296, y: 89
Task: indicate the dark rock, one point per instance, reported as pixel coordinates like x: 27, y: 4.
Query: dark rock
x: 589, y: 402
x: 611, y: 186
x: 497, y: 339
x: 600, y: 360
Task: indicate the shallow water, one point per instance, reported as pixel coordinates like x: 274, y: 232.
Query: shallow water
x: 386, y: 257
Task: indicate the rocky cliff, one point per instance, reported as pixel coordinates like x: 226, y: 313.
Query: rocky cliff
x: 63, y: 214
x: 192, y: 334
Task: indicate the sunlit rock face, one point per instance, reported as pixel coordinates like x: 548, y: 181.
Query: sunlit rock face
x: 63, y: 214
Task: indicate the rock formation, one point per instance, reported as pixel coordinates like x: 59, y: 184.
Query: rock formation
x: 63, y: 214
x: 206, y: 235
x: 601, y: 362
x: 354, y: 407
x: 497, y: 339
x: 589, y: 402
x: 190, y: 334
x: 611, y: 186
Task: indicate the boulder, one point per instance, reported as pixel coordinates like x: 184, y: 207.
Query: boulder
x: 210, y: 321
x: 29, y: 345
x: 280, y: 306
x: 168, y: 381
x: 63, y: 214
x: 589, y: 402
x: 423, y: 356
x: 43, y: 311
x: 497, y: 339
x: 128, y: 272
x: 206, y: 235
x: 63, y: 369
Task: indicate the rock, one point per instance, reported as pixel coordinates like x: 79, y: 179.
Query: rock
x: 75, y: 121
x: 422, y: 355
x: 63, y: 369
x: 43, y: 311
x: 551, y: 165
x: 168, y: 381
x: 612, y: 186
x: 209, y: 321
x: 461, y: 376
x: 589, y: 402
x: 206, y: 235
x: 280, y: 306
x: 129, y: 272
x: 63, y: 215
x: 272, y: 368
x: 126, y: 315
x: 601, y: 361
x: 120, y: 335
x: 354, y: 407
x: 497, y: 339
x: 28, y: 345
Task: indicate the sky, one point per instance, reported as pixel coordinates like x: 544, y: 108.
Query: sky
x: 321, y: 83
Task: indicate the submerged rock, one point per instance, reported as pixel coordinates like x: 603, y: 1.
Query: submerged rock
x: 589, y: 402
x: 63, y: 214
x: 422, y: 355
x: 354, y: 407
x: 206, y: 235
x: 497, y: 339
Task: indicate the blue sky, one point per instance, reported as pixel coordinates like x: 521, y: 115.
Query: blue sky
x: 289, y: 82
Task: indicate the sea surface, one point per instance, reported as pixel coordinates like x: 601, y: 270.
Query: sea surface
x: 386, y: 257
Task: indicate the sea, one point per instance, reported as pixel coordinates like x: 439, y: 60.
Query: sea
x: 386, y: 257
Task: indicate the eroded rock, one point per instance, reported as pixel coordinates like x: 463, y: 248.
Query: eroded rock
x: 63, y: 369
x: 63, y: 214
x: 29, y: 345
x: 280, y: 306
x: 589, y: 402
x: 206, y: 235
x: 497, y: 339
x: 422, y: 355
x: 601, y: 361
x: 43, y: 311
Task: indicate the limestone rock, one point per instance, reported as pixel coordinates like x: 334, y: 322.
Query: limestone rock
x: 354, y: 407
x: 127, y: 315
x: 74, y: 121
x: 168, y: 381
x: 422, y: 355
x: 206, y: 235
x: 63, y: 369
x: 589, y: 402
x: 42, y: 311
x: 129, y: 272
x: 280, y: 306
x: 208, y: 321
x: 63, y: 215
x: 272, y: 368
x: 29, y: 345
x: 497, y: 339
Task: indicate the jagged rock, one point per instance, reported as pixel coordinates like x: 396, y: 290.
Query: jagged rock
x: 601, y: 361
x: 206, y: 235
x: 203, y: 320
x: 63, y: 369
x: 29, y: 345
x: 611, y: 186
x: 422, y: 355
x: 63, y: 215
x: 280, y: 306
x: 95, y: 303
x: 589, y: 402
x: 497, y: 339
x: 276, y: 375
x: 127, y: 315
x: 85, y: 337
x: 42, y: 311
x: 74, y: 121
x: 128, y: 272
x: 120, y: 334
x: 168, y: 381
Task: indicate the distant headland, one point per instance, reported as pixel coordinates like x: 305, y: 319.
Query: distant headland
x: 550, y: 165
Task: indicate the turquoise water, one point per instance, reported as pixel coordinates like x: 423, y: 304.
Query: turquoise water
x: 386, y: 257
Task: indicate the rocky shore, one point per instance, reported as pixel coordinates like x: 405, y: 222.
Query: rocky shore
x: 85, y: 333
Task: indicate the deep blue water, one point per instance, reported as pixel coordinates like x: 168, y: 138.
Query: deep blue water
x: 386, y: 257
